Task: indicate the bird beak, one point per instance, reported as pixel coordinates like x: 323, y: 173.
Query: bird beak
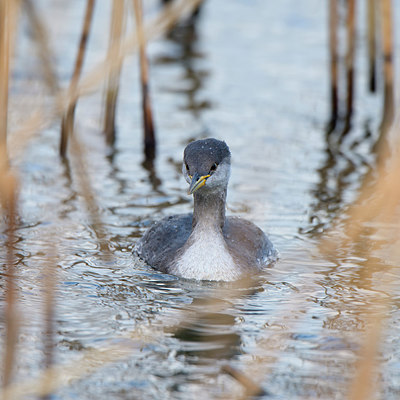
x: 197, y: 182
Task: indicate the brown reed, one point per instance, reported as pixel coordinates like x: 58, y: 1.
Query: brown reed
x: 8, y: 191
x: 9, y: 200
x: 333, y: 49
x: 350, y: 24
x: 148, y: 125
x: 68, y: 119
x: 4, y: 77
x: 371, y: 26
x: 387, y: 40
x: 116, y: 31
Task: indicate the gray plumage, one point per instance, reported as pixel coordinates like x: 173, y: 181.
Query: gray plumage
x: 206, y: 244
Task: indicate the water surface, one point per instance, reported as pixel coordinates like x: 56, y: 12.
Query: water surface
x: 255, y: 75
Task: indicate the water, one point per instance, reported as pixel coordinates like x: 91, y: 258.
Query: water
x: 254, y: 74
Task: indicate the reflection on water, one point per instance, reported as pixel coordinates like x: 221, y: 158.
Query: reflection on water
x: 186, y: 53
x: 210, y: 335
x: 253, y: 72
x: 343, y: 169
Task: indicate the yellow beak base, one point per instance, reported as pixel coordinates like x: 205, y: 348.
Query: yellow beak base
x: 197, y: 183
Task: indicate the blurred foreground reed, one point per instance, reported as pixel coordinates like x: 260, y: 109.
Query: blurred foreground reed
x: 378, y: 200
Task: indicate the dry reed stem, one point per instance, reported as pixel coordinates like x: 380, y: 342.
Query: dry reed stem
x: 387, y: 44
x: 350, y: 23
x: 148, y: 125
x: 8, y: 190
x: 44, y: 48
x: 4, y: 76
x: 116, y: 32
x: 333, y: 27
x: 9, y: 200
x: 67, y: 122
x: 371, y: 26
x: 169, y: 16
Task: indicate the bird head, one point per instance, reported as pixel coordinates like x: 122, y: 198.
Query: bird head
x: 206, y: 165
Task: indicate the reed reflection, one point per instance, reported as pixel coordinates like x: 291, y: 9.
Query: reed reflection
x: 209, y: 328
x: 344, y: 166
x: 185, y: 39
x: 208, y: 333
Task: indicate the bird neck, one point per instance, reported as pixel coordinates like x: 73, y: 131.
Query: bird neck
x: 209, y: 209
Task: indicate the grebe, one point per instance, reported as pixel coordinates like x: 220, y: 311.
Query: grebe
x: 206, y: 245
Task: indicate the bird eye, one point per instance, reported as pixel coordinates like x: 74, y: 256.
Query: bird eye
x: 213, y: 167
x: 187, y: 167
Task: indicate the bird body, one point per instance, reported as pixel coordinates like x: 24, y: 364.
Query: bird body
x: 206, y: 245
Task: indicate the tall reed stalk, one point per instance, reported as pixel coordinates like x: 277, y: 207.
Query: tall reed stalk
x: 9, y: 200
x: 350, y: 24
x: 371, y: 26
x: 67, y: 124
x: 7, y: 193
x: 116, y: 31
x: 333, y: 27
x: 148, y: 125
x: 4, y: 75
x: 387, y: 40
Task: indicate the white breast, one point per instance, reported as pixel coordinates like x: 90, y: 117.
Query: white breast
x: 206, y: 258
